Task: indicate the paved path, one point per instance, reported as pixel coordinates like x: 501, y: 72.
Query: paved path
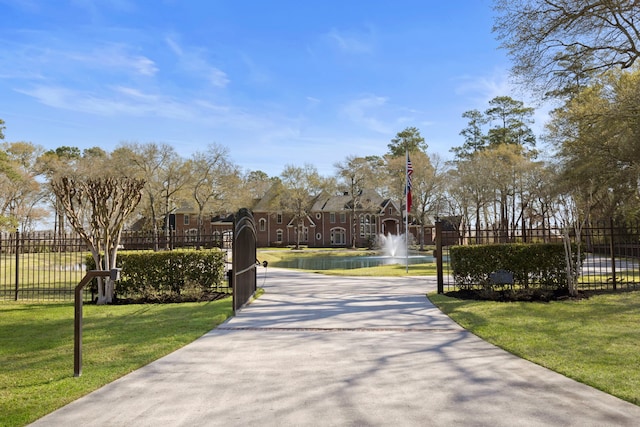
x: 341, y: 351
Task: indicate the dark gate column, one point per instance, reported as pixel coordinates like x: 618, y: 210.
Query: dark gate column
x: 244, y: 258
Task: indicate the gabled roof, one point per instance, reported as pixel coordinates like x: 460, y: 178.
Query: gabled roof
x: 331, y: 203
x: 266, y: 203
x: 367, y: 200
x: 292, y: 222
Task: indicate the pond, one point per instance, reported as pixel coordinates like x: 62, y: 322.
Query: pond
x: 321, y: 262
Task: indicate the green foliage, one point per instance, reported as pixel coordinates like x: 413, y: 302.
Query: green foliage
x: 532, y: 265
x: 168, y: 274
x: 408, y: 139
x: 8, y: 223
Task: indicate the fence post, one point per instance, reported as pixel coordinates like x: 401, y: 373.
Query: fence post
x: 440, y: 274
x: 17, y: 263
x: 613, y: 255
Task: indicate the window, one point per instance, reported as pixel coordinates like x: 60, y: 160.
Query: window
x: 318, y: 215
x: 332, y: 217
x: 191, y: 235
x: 343, y: 217
x: 367, y: 225
x: 263, y: 224
x: 279, y: 218
x: 186, y: 220
x: 318, y: 236
x: 338, y: 236
x: 279, y: 236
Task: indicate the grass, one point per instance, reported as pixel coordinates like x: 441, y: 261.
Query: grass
x: 595, y: 341
x: 43, y: 275
x: 36, y: 348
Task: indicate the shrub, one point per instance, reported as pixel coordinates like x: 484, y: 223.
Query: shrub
x: 168, y: 275
x: 532, y: 265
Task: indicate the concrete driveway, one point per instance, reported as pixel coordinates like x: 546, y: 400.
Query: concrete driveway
x: 318, y: 350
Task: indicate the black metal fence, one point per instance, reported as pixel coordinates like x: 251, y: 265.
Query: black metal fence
x: 611, y: 250
x: 43, y: 266
x: 46, y: 266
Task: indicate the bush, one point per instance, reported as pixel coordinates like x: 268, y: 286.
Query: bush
x: 174, y: 275
x: 532, y: 265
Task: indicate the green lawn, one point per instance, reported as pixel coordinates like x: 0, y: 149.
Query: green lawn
x: 595, y: 341
x: 36, y: 348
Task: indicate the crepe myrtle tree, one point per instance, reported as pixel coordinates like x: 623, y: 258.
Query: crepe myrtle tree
x: 97, y: 209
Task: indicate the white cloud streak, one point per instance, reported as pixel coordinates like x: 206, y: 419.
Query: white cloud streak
x: 351, y: 42
x: 194, y: 61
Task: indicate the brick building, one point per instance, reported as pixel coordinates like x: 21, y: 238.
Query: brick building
x: 330, y: 223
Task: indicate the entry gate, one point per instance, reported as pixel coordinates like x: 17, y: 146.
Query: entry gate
x: 243, y: 258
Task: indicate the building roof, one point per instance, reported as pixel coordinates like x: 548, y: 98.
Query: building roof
x: 367, y: 200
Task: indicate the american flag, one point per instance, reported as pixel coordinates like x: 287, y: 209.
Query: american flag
x: 408, y: 189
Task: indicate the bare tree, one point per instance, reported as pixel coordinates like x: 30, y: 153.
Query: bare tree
x: 300, y: 187
x: 357, y: 174
x: 211, y: 181
x: 542, y: 35
x: 427, y: 189
x: 97, y: 209
x: 19, y: 186
x: 150, y: 162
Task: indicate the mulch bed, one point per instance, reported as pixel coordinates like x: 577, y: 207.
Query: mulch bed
x: 510, y: 295
x: 170, y: 299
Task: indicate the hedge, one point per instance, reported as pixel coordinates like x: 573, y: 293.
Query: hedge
x: 170, y: 274
x: 532, y: 265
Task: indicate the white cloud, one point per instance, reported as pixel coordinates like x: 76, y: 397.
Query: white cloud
x: 376, y: 114
x: 312, y: 103
x: 363, y: 111
x: 483, y: 88
x: 351, y: 42
x: 114, y: 56
x: 218, y: 77
x: 194, y: 61
x: 174, y: 46
x: 122, y: 101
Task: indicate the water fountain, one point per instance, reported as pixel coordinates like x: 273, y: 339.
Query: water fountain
x: 393, y: 245
x: 392, y: 250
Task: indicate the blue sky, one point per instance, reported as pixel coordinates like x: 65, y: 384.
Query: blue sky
x: 278, y: 82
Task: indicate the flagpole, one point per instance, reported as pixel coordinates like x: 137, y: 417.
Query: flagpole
x: 406, y: 204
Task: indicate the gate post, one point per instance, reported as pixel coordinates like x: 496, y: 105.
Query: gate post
x: 612, y: 248
x: 440, y: 273
x: 243, y: 258
x: 17, y: 263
